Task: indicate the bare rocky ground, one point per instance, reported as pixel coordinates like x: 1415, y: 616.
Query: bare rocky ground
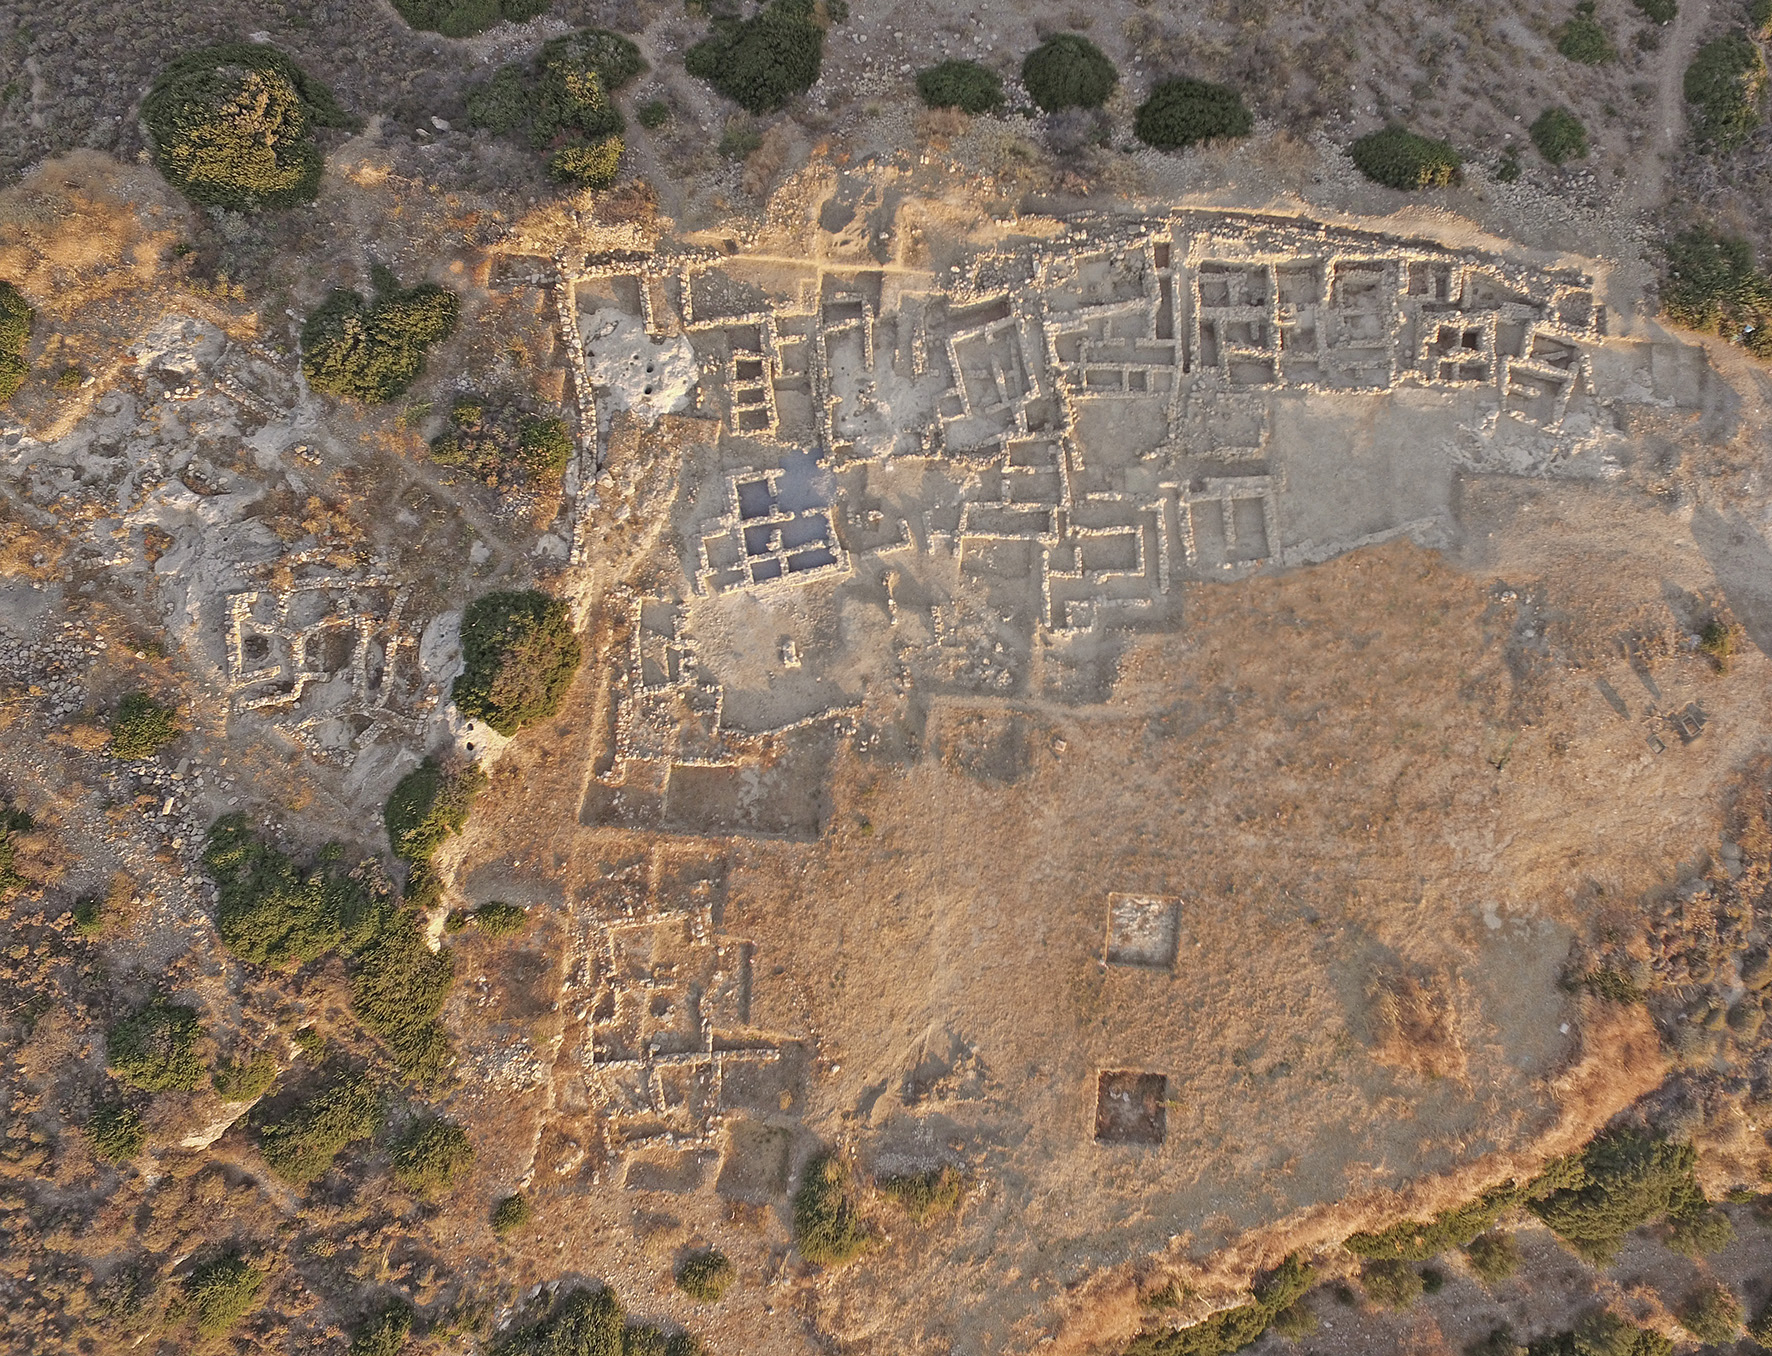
x: 1165, y: 755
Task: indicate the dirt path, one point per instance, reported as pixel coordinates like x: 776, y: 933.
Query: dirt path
x: 1644, y: 191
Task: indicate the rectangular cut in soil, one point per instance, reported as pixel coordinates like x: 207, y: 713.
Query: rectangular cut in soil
x: 1142, y: 929
x: 1129, y: 1107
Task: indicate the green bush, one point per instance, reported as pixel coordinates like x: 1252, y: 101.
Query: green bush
x: 1760, y: 1327
x: 1395, y: 1285
x: 1604, y: 1334
x: 398, y: 988
x: 222, y: 1292
x: 431, y: 1156
x: 1559, y: 136
x: 230, y: 127
x: 1658, y: 11
x: 385, y: 1334
x: 301, y: 1145
x: 1583, y: 39
x: 428, y: 806
x: 705, y: 1276
x: 654, y: 114
x: 374, y: 350
x: 16, y: 320
x: 826, y: 1226
x: 513, y: 1212
x: 503, y: 447
x: 156, y: 1050
x: 1417, y: 1240
x: 465, y: 18
x: 1711, y: 1313
x: 497, y: 919
x: 11, y: 822
x: 1711, y: 285
x: 1699, y: 1232
x: 1759, y: 18
x: 925, y: 1195
x: 1180, y: 113
x: 141, y: 727
x: 739, y: 137
x: 1068, y: 71
x: 89, y: 916
x: 761, y: 62
x: 687, y: 1343
x: 1494, y: 1257
x: 1621, y: 1181
x: 1399, y: 158
x: 644, y: 1340
x: 271, y: 913
x: 964, y: 85
x: 1232, y: 1329
x: 1296, y: 1322
x: 1725, y: 83
x: 245, y: 1081
x: 520, y: 654
x: 583, y: 1323
x: 593, y: 165
x: 114, y: 1132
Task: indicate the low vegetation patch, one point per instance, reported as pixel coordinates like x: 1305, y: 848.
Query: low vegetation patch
x: 497, y: 919
x: 1395, y: 1285
x: 1725, y: 84
x: 761, y: 62
x: 1399, y: 158
x: 1601, y: 1334
x: 272, y: 912
x: 705, y: 1276
x: 1494, y: 1257
x: 1759, y: 19
x: 1068, y: 71
x: 231, y: 127
x: 301, y: 1144
x: 925, y: 1195
x: 827, y: 1227
x: 465, y: 18
x: 1658, y: 11
x: 1583, y: 39
x: 398, y: 988
x: 1712, y: 1314
x: 964, y: 85
x: 156, y: 1050
x: 385, y: 1334
x: 583, y: 1323
x: 16, y: 320
x: 114, y: 1132
x: 1181, y: 113
x: 141, y: 727
x: 12, y: 823
x: 503, y: 447
x: 563, y: 103
x: 512, y: 1213
x: 373, y: 350
x: 222, y: 1292
x: 1711, y: 285
x: 245, y: 1080
x: 1232, y: 1329
x: 1559, y: 135
x: 432, y: 1156
x: 520, y: 653
x: 428, y: 806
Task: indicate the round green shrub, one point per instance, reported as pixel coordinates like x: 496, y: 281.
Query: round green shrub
x: 230, y: 127
x: 964, y: 85
x: 1068, y: 71
x: 115, y: 1133
x: 1559, y: 136
x: 374, y: 350
x: 1712, y: 1314
x: 385, y: 1334
x: 431, y: 1156
x: 513, y: 1212
x: 16, y: 319
x: 705, y: 1276
x: 593, y: 166
x: 1399, y: 158
x: 520, y: 653
x: 761, y: 62
x: 465, y: 18
x: 1658, y: 11
x: 222, y: 1292
x: 1582, y: 39
x: 1180, y: 113
x: 498, y: 919
x: 156, y: 1050
x: 544, y: 446
x: 141, y: 727
x: 1726, y: 81
x: 1395, y: 1285
x: 654, y: 114
x: 1494, y: 1257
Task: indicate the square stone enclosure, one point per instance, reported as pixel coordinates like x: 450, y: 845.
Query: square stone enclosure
x: 1129, y: 1107
x: 1142, y: 930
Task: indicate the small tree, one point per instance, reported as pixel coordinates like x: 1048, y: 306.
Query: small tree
x: 115, y: 1133
x: 1559, y: 136
x: 1495, y: 1257
x: 705, y: 1276
x: 222, y: 1292
x: 373, y: 350
x: 520, y: 654
x: 763, y: 61
x: 431, y: 1156
x: 964, y: 85
x: 1712, y: 1314
x: 512, y: 1213
x: 1396, y: 1285
x: 1068, y: 71
x: 301, y: 1145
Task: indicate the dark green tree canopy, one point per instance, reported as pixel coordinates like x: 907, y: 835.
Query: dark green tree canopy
x: 1399, y: 158
x: 1180, y: 113
x: 231, y: 127
x: 156, y: 1049
x: 761, y: 62
x: 520, y: 653
x: 964, y: 85
x: 374, y: 350
x: 1068, y: 71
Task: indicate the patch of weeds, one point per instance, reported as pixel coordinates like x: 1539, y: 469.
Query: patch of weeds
x: 1231, y: 1330
x: 705, y: 1276
x: 385, y: 1334
x: 502, y: 446
x: 582, y: 1323
x: 1582, y: 39
x: 156, y: 1049
x: 16, y: 320
x: 1068, y: 71
x: 740, y: 137
x: 827, y: 1228
x: 428, y: 806
x: 1399, y: 158
x: 1395, y: 1285
x: 1295, y: 1322
x: 11, y: 821
x: 230, y: 124
x: 1725, y: 84
x: 1658, y: 11
x: 141, y: 727
x: 1717, y: 641
x: 1613, y: 985
x: 465, y: 18
x: 373, y: 350
x: 520, y: 654
x: 512, y: 1213
x: 300, y: 1145
x: 89, y: 916
x: 431, y: 1156
x: 1711, y: 285
x: 311, y: 1044
x: 270, y: 912
x: 654, y: 114
x: 222, y: 1291
x: 593, y: 165
x: 69, y: 380
x: 245, y: 1080
x: 964, y: 85
x: 1712, y: 1314
x: 114, y: 1132
x: 761, y: 62
x: 1559, y: 136
x: 1181, y: 113
x: 644, y: 1340
x: 1494, y: 1257
x: 497, y: 919
x: 398, y: 988
x: 925, y: 1195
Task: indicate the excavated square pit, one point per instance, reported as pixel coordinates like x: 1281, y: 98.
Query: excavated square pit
x: 1142, y: 930
x: 1129, y: 1107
